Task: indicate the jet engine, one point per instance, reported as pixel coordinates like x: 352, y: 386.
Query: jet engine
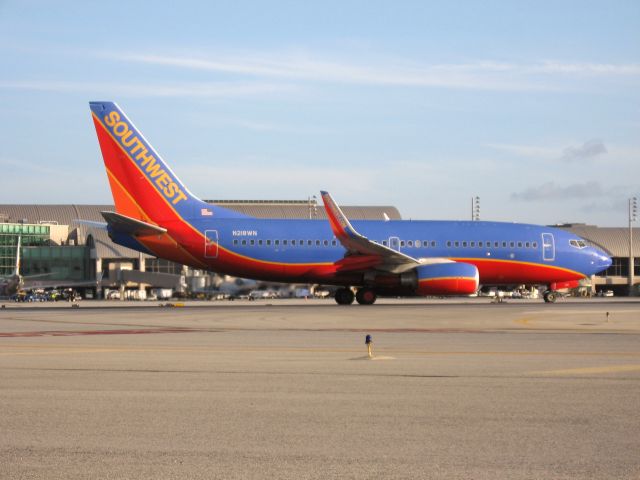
x: 452, y: 278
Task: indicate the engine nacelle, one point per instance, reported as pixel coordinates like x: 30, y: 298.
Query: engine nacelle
x: 447, y: 279
x: 564, y: 285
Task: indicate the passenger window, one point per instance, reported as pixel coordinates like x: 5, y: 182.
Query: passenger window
x: 410, y: 243
x: 433, y: 243
x: 293, y: 243
x: 402, y: 243
x: 252, y: 242
x: 325, y: 242
x: 244, y: 242
x: 334, y: 243
x: 235, y: 242
x: 418, y: 243
x: 448, y: 243
x: 504, y: 244
x: 472, y: 244
x: 457, y: 244
x: 527, y: 245
x: 535, y: 244
x: 317, y: 243
x: 309, y: 242
x: 260, y: 242
x: 519, y: 244
x: 268, y: 242
x: 276, y: 242
x: 479, y: 244
x: 384, y: 242
x: 512, y: 244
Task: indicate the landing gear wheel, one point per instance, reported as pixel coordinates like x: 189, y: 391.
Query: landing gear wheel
x: 344, y: 296
x: 549, y: 297
x: 366, y: 296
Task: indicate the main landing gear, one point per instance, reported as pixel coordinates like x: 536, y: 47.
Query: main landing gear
x: 550, y: 296
x: 364, y: 296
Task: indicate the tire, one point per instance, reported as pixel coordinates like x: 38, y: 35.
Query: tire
x: 344, y: 296
x: 366, y: 296
x: 550, y: 297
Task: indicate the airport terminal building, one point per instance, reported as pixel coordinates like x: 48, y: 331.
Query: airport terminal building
x: 58, y: 249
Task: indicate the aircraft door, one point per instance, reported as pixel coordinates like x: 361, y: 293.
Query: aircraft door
x: 211, y: 243
x: 548, y: 247
x: 394, y: 243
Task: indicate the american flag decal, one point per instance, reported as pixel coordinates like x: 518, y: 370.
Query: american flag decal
x: 205, y: 212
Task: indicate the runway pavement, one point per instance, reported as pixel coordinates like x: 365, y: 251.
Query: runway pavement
x: 457, y: 389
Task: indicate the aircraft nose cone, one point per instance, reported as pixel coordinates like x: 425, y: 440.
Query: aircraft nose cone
x: 601, y: 261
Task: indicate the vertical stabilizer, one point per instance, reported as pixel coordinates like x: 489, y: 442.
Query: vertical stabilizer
x: 142, y: 184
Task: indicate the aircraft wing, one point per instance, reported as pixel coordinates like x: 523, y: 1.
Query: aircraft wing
x: 357, y: 244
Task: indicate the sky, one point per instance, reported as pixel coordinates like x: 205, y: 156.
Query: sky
x: 534, y: 107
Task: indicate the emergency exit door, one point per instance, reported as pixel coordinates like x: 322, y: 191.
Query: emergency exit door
x: 211, y: 243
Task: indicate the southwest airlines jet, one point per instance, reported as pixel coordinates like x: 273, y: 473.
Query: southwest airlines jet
x: 156, y: 214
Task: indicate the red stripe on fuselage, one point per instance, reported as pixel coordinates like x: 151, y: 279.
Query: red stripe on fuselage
x: 493, y: 271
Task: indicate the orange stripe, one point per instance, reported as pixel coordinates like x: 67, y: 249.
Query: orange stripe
x: 515, y: 262
x: 141, y: 239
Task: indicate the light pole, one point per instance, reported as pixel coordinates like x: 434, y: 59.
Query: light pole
x: 633, y: 215
x: 475, y: 209
x: 313, y: 207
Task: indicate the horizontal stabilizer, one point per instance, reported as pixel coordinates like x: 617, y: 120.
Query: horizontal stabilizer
x: 131, y: 226
x: 91, y: 223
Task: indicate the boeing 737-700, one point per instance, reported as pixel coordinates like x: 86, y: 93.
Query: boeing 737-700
x: 156, y: 214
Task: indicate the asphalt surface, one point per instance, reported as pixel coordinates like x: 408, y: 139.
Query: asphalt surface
x: 283, y: 389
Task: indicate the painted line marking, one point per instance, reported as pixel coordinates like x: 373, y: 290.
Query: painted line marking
x: 74, y: 333
x: 523, y: 321
x: 590, y: 370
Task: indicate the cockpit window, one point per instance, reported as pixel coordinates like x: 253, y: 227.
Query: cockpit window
x: 578, y: 243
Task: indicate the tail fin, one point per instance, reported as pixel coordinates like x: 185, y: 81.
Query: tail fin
x: 142, y: 184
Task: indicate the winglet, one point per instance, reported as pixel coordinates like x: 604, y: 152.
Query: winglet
x: 340, y: 225
x: 356, y: 243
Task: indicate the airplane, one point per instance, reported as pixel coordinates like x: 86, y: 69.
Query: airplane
x: 16, y: 282
x: 11, y: 284
x: 156, y: 214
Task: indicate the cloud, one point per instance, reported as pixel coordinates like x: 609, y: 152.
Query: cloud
x: 207, y: 89
x: 551, y: 191
x: 587, y: 151
x: 387, y: 72
x: 526, y: 150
